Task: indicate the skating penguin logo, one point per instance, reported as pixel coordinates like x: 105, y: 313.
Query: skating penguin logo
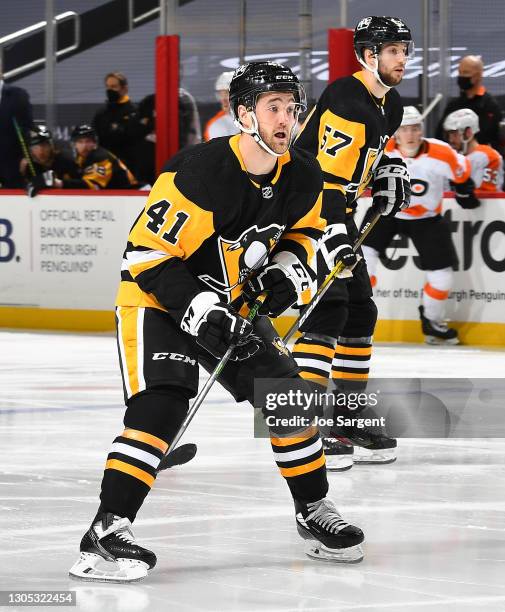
x: 240, y: 257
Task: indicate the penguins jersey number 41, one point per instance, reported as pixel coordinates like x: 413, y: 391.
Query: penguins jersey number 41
x: 206, y: 225
x: 347, y: 131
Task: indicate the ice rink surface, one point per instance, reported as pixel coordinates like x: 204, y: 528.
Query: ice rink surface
x: 223, y: 525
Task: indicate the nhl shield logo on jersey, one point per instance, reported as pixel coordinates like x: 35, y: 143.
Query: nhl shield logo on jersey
x: 267, y: 192
x: 240, y: 257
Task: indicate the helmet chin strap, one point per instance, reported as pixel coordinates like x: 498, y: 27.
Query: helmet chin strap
x: 255, y: 133
x: 375, y: 70
x: 465, y: 142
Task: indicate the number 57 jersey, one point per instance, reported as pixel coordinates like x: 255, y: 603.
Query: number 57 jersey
x: 208, y: 224
x: 347, y: 131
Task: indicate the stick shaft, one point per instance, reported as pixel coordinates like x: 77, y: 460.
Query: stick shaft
x: 212, y: 378
x: 22, y: 142
x: 367, y: 228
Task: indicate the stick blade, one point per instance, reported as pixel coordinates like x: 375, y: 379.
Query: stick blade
x: 179, y: 456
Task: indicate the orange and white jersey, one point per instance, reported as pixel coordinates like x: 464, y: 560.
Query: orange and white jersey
x: 435, y: 163
x: 487, y: 168
x: 221, y: 124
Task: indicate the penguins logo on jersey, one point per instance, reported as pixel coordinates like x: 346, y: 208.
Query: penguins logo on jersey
x: 280, y: 346
x: 239, y: 257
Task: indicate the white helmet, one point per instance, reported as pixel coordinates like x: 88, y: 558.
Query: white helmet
x: 462, y: 119
x: 411, y: 116
x: 223, y: 81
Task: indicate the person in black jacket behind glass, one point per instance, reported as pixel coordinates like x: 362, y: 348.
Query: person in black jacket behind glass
x: 117, y: 124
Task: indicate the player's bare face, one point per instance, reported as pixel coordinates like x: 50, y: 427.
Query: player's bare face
x: 223, y: 98
x: 276, y: 114
x: 409, y: 139
x: 455, y: 139
x: 42, y: 153
x: 84, y: 146
x: 392, y: 60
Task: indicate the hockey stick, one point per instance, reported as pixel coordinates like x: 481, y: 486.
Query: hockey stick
x: 186, y: 452
x: 339, y: 267
x: 431, y: 106
x: 22, y: 142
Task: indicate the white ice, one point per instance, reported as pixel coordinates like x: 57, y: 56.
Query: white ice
x: 222, y: 526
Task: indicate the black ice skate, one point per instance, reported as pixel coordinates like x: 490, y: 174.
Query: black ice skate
x: 327, y: 536
x: 437, y: 332
x: 339, y: 453
x: 371, y: 447
x: 109, y: 553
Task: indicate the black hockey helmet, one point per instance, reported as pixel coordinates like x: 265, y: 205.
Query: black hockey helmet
x: 38, y: 134
x: 83, y: 131
x: 373, y: 32
x: 251, y: 80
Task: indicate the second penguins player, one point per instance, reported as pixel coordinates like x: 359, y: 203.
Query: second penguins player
x: 347, y: 131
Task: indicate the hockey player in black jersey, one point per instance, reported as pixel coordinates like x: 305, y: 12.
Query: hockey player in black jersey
x: 235, y: 210
x: 100, y: 169
x: 52, y: 168
x: 347, y: 131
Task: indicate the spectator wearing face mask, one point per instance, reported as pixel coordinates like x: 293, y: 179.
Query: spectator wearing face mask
x: 117, y: 124
x: 473, y: 95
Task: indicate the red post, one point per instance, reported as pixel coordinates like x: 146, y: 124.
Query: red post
x: 341, y: 57
x: 167, y: 98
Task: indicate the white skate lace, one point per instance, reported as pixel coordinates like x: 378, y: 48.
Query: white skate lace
x: 122, y: 528
x: 325, y: 514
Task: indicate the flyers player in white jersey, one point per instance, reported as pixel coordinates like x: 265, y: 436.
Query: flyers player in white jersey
x: 461, y: 128
x: 236, y: 215
x: 221, y: 124
x: 431, y: 163
x: 347, y: 131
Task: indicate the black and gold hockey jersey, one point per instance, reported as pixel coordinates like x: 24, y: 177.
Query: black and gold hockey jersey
x: 207, y: 224
x: 101, y: 169
x: 347, y: 131
x: 62, y: 164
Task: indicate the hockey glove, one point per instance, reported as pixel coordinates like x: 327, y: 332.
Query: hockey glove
x: 336, y: 248
x: 216, y: 325
x: 284, y: 280
x: 39, y: 182
x: 391, y: 186
x: 463, y: 192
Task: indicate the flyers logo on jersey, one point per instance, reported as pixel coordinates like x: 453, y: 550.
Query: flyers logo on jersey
x: 239, y: 257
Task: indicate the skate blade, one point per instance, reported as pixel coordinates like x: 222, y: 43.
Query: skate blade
x: 94, y: 568
x: 383, y: 456
x: 316, y: 550
x: 338, y: 463
x: 433, y: 340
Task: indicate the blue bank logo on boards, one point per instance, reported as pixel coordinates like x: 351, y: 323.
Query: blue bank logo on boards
x: 7, y: 246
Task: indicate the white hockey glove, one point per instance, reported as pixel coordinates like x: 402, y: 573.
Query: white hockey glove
x: 39, y: 182
x: 335, y: 247
x: 216, y: 325
x: 284, y: 280
x: 391, y: 186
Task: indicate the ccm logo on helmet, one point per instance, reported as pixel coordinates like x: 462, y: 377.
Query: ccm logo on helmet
x: 174, y: 357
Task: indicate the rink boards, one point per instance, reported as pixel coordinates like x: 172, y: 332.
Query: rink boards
x: 60, y: 257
